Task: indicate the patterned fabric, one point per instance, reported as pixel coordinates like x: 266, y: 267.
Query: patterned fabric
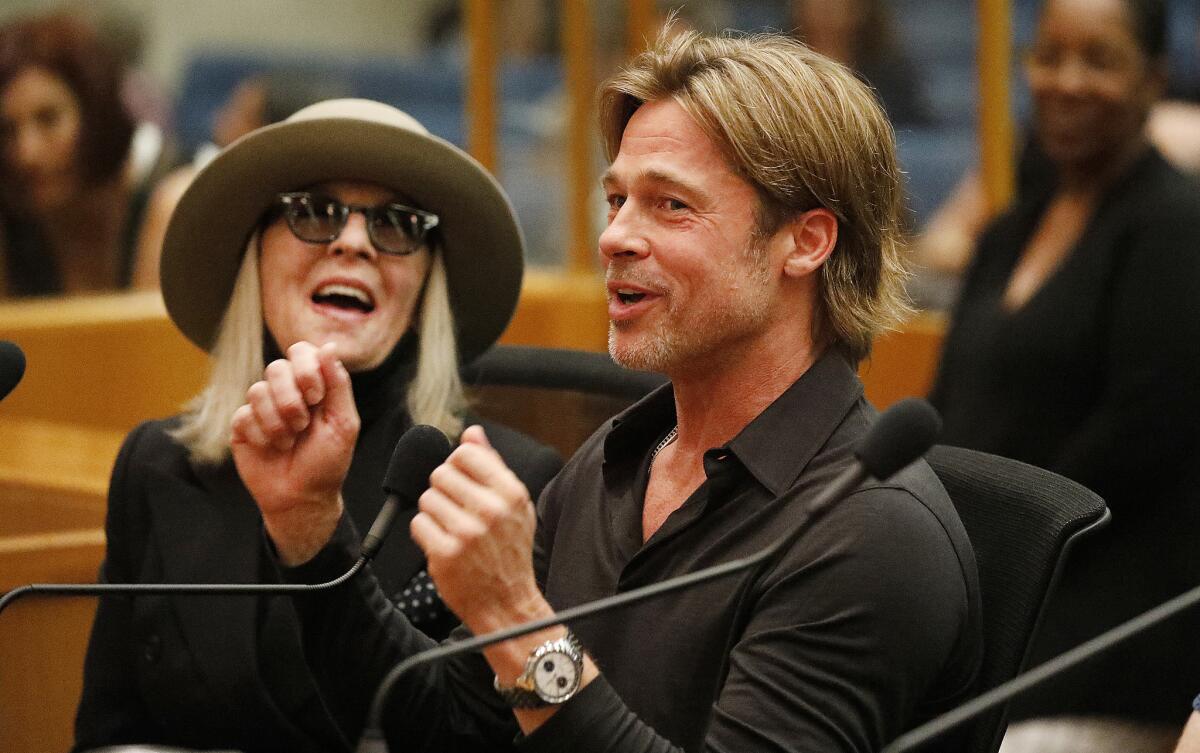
x: 419, y: 601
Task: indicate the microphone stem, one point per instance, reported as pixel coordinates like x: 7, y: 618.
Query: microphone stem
x: 1005, y: 691
x: 169, y: 589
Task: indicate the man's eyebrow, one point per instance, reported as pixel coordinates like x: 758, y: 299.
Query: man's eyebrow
x: 659, y: 178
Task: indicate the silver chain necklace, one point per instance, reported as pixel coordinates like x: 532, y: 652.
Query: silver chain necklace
x: 671, y: 435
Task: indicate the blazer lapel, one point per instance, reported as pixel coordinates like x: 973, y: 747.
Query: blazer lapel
x: 211, y: 533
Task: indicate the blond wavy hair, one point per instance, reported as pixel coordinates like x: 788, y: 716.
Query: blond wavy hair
x: 435, y: 395
x: 805, y: 132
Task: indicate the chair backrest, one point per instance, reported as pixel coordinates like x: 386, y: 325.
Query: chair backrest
x: 1022, y: 521
x: 557, y: 395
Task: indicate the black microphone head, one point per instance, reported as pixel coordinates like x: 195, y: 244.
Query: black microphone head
x: 902, y: 434
x: 12, y: 367
x: 417, y: 453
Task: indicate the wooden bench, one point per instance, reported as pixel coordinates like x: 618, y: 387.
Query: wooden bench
x: 53, y: 478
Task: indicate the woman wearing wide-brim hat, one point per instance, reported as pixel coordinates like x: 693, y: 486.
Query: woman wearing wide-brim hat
x: 346, y: 226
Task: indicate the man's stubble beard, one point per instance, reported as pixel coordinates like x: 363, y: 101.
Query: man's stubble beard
x: 675, y: 344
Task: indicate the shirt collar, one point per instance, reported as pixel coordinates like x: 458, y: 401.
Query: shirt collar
x: 641, y: 424
x: 778, y: 444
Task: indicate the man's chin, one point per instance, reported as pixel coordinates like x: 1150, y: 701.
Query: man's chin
x: 641, y: 353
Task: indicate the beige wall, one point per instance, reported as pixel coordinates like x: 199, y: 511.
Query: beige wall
x: 173, y: 28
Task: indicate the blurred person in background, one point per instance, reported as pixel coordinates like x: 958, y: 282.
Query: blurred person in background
x: 70, y: 201
x: 347, y: 226
x: 528, y: 28
x: 1075, y: 346
x: 861, y: 35
x: 257, y: 101
x: 944, y: 246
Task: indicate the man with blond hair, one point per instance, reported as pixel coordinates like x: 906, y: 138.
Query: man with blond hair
x: 752, y: 254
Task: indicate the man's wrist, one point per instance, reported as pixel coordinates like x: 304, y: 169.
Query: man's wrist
x: 552, y: 675
x: 509, y: 657
x: 517, y: 653
x: 516, y: 607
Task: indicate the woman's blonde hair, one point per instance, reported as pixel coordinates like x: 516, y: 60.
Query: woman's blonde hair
x: 435, y: 395
x: 805, y: 133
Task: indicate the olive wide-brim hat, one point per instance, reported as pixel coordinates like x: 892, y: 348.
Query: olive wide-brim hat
x: 345, y: 139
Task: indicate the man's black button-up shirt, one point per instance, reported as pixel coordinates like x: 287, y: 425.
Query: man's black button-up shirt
x: 866, y: 625
x: 869, y: 622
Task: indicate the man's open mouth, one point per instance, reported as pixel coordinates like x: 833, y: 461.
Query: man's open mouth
x: 629, y: 296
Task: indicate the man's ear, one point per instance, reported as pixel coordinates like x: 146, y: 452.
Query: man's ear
x: 814, y: 235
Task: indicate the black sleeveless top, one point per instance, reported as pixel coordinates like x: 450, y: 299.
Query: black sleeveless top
x: 30, y: 270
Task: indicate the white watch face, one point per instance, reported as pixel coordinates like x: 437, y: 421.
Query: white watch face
x: 555, y: 676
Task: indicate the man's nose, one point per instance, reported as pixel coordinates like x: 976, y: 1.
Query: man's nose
x: 625, y: 236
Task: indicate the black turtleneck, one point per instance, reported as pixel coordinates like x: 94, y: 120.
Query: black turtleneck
x: 379, y: 395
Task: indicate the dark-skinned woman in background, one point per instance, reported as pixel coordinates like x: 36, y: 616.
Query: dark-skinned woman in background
x: 1075, y: 346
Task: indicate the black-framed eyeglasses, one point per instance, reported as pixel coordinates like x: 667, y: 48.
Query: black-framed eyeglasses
x: 393, y: 228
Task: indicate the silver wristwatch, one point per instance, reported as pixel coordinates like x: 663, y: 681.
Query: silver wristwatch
x: 552, y: 675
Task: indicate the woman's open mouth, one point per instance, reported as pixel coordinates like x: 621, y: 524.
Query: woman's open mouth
x: 344, y: 297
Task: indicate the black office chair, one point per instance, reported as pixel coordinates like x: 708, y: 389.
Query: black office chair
x: 1022, y: 522
x: 559, y: 396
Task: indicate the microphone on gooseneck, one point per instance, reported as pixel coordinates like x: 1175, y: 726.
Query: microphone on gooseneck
x: 12, y: 367
x: 420, y: 450
x: 900, y: 436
